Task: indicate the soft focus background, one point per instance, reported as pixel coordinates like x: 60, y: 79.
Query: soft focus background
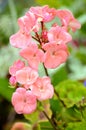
x: 75, y: 68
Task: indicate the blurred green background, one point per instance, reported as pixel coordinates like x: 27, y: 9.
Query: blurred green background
x: 74, y: 68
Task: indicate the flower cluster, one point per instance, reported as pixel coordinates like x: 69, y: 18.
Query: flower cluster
x: 39, y: 44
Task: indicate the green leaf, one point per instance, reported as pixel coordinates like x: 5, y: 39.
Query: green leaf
x: 45, y: 125
x: 59, y: 74
x: 27, y: 126
x: 51, y: 3
x: 36, y: 127
x: 77, y: 69
x: 5, y: 91
x: 76, y: 126
x: 33, y: 118
x: 55, y: 106
x: 81, y: 54
x: 71, y: 92
x: 72, y: 114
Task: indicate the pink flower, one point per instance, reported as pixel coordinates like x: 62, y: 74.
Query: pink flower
x: 16, y: 66
x: 20, y: 39
x: 33, y: 23
x: 12, y: 80
x: 59, y: 35
x: 24, y: 102
x: 68, y: 20
x: 55, y: 54
x: 42, y: 88
x: 33, y: 55
x: 26, y: 23
x: 44, y: 13
x: 26, y: 76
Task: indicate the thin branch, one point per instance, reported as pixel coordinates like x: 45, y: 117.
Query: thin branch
x: 51, y: 122
x: 46, y: 72
x: 59, y: 98
x: 42, y: 25
x: 54, y: 88
x: 37, y: 35
x: 35, y: 38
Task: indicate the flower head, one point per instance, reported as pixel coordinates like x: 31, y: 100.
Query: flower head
x: 59, y: 35
x: 20, y: 39
x: 26, y: 76
x: 16, y: 66
x: 44, y: 13
x: 55, y: 54
x: 68, y: 20
x: 33, y: 55
x: 24, y: 102
x: 42, y: 88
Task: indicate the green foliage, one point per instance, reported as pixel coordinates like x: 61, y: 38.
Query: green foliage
x: 76, y: 126
x: 45, y: 125
x: 54, y: 3
x: 77, y: 64
x: 5, y: 91
x: 8, y: 55
x: 72, y: 114
x: 32, y: 118
x: 71, y: 92
x: 81, y: 54
x: 55, y: 106
x: 58, y: 75
x: 5, y: 22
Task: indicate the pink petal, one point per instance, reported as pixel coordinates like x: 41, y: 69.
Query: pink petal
x: 26, y: 76
x: 20, y: 40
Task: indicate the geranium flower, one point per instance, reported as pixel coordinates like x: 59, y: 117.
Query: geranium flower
x: 42, y: 88
x: 68, y: 20
x: 44, y: 13
x: 55, y: 54
x: 24, y: 102
x: 33, y: 55
x: 26, y: 76
x: 16, y: 66
x: 59, y: 35
x: 20, y: 39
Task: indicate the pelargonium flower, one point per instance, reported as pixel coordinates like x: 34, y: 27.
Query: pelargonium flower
x: 26, y: 76
x: 24, y: 102
x: 50, y: 49
x: 26, y: 23
x: 55, y: 54
x: 59, y: 35
x: 68, y: 20
x: 33, y: 55
x: 16, y: 66
x: 44, y: 13
x: 20, y: 39
x: 13, y: 81
x: 42, y: 88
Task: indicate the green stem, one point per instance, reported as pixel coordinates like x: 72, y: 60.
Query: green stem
x: 59, y: 98
x: 51, y: 122
x: 46, y: 72
x: 54, y: 88
x: 13, y: 14
x: 38, y: 37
